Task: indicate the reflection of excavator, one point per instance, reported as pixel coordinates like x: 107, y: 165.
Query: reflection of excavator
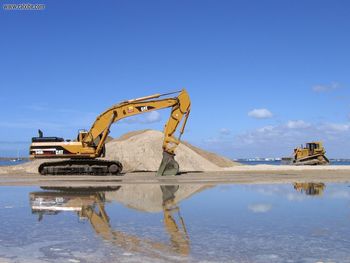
x: 90, y: 205
x: 310, y: 188
x: 178, y: 237
x: 89, y: 145
x: 312, y: 154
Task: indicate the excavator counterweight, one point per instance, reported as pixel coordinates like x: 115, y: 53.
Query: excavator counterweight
x: 81, y: 154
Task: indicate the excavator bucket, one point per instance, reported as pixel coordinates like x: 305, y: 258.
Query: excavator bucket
x: 168, y: 166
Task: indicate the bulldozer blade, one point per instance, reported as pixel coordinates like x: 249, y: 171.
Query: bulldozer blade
x: 168, y: 166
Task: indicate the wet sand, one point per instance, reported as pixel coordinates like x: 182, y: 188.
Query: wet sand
x: 259, y: 174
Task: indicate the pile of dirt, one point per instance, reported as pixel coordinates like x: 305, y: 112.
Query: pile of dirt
x: 212, y: 157
x: 142, y: 151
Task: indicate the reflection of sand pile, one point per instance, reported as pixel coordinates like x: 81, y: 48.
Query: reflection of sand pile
x: 142, y: 151
x: 149, y: 197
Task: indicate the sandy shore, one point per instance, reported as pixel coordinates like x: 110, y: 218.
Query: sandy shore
x: 257, y: 174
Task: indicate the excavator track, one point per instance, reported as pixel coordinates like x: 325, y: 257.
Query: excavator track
x: 81, y: 167
x: 313, y: 160
x: 81, y: 190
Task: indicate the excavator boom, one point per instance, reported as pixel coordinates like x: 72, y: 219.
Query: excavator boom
x: 82, y: 153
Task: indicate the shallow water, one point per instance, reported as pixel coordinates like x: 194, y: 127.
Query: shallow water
x: 150, y: 223
x: 12, y: 162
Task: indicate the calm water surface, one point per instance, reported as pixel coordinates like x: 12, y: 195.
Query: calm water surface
x: 12, y: 162
x: 152, y: 223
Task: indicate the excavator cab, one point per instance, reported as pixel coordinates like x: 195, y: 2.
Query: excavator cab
x: 81, y: 135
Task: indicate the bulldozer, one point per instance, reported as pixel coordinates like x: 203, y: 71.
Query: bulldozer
x: 312, y: 154
x: 81, y: 155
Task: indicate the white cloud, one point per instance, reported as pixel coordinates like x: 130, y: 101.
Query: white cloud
x: 260, y: 114
x: 336, y: 127
x: 266, y: 129
x: 153, y: 116
x: 296, y: 197
x: 286, y: 191
x: 298, y: 124
x: 260, y: 208
x: 325, y: 88
x: 225, y: 131
x: 280, y: 140
x: 149, y: 117
x: 213, y: 140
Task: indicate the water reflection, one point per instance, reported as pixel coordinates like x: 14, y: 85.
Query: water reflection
x: 142, y: 223
x: 89, y: 205
x: 314, y: 189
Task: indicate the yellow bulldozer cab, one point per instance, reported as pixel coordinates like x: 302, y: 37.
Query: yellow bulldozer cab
x: 311, y: 148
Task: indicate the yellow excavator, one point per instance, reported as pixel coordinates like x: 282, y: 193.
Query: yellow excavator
x: 89, y: 205
x: 312, y: 154
x: 83, y: 152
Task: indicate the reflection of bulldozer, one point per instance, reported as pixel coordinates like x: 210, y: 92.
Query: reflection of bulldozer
x: 312, y: 154
x: 310, y: 188
x: 89, y: 205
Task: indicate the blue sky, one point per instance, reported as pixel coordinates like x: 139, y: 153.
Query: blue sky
x: 264, y: 76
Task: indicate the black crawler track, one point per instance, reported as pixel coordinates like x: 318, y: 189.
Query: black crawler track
x: 319, y: 159
x: 81, y: 167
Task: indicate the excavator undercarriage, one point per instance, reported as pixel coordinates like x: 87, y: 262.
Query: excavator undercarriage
x: 81, y: 167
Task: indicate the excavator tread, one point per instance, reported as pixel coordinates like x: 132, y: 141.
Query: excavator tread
x: 80, y: 190
x: 81, y: 167
x: 318, y: 159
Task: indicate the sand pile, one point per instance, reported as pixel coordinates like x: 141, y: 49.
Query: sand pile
x: 150, y: 198
x: 142, y: 151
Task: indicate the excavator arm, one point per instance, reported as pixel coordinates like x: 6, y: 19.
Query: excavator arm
x: 180, y: 111
x: 179, y: 242
x: 180, y: 107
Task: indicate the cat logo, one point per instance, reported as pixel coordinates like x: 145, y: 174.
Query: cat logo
x: 144, y: 108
